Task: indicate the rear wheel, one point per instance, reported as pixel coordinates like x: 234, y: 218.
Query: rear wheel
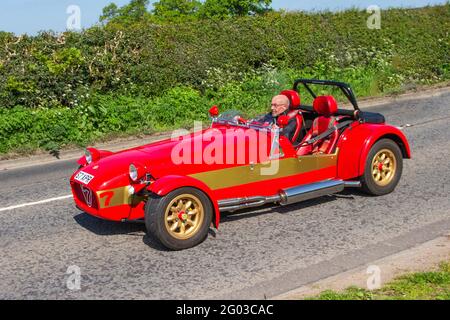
x: 383, y: 168
x: 179, y: 220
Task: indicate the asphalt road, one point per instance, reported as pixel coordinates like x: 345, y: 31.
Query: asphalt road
x: 254, y: 254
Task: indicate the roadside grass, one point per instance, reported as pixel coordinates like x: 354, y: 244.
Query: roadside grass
x: 431, y: 285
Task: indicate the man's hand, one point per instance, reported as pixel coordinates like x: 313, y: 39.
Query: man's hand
x: 240, y: 120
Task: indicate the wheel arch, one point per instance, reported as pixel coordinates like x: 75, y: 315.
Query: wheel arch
x: 391, y: 133
x: 355, y: 144
x: 402, y: 144
x: 167, y: 184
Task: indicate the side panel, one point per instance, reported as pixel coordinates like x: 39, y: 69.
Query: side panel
x: 266, y: 179
x: 273, y: 186
x: 253, y: 179
x: 355, y: 144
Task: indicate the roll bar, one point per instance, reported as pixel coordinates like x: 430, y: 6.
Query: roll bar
x: 345, y: 88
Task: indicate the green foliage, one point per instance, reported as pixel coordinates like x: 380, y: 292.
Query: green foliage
x: 182, y: 10
x: 352, y: 293
x: 230, y: 8
x: 142, y: 57
x: 140, y: 73
x: 103, y: 115
x: 146, y: 58
x: 109, y: 12
x: 173, y: 10
x: 131, y: 13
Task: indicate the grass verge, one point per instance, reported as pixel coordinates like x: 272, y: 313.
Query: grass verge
x: 430, y: 285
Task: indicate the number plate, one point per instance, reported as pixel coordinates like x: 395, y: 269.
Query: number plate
x: 84, y: 177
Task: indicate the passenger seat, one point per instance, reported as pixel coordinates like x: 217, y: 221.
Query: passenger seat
x: 326, y: 107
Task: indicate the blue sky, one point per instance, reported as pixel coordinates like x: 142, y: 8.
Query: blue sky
x: 30, y: 16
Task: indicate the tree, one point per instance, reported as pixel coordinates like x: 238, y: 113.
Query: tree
x: 180, y: 10
x: 227, y: 8
x: 175, y: 9
x: 136, y: 9
x: 109, y: 12
x: 132, y: 12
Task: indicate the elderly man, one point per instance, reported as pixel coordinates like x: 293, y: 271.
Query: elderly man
x: 280, y: 106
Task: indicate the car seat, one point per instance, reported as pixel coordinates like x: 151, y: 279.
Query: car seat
x: 294, y: 112
x: 326, y: 107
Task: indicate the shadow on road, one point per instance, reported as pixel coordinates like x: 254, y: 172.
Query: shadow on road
x: 272, y: 208
x: 109, y: 228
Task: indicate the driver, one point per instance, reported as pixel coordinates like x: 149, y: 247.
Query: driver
x: 280, y: 106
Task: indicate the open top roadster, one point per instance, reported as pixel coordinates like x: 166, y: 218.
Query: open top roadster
x: 179, y: 186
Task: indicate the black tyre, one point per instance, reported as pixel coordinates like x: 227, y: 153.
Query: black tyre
x: 383, y: 168
x: 179, y: 220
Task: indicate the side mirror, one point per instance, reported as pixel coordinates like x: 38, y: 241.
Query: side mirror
x: 282, y: 121
x: 214, y: 111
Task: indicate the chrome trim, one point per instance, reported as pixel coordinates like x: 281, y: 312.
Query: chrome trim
x: 87, y: 194
x: 275, y: 144
x: 290, y: 195
x: 239, y: 125
x: 352, y: 184
x: 310, y: 191
x: 248, y: 202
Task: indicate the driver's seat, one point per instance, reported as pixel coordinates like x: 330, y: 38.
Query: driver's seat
x: 294, y: 112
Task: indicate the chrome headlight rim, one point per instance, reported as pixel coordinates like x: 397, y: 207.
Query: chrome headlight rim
x: 88, y: 156
x: 133, y: 172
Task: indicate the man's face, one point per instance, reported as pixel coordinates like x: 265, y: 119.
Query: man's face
x: 279, y: 105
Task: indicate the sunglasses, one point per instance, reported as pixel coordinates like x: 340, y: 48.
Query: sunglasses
x: 277, y: 104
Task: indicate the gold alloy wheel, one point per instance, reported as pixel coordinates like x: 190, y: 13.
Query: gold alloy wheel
x: 384, y: 165
x: 184, y: 216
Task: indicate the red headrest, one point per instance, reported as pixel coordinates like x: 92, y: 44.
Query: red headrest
x: 294, y: 98
x: 325, y: 105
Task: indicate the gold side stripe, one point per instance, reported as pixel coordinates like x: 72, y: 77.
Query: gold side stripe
x: 231, y: 177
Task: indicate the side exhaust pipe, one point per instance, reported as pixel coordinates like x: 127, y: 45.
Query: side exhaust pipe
x: 290, y: 195
x: 310, y: 191
x: 250, y: 202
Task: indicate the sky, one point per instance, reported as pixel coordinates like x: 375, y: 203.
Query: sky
x: 31, y: 16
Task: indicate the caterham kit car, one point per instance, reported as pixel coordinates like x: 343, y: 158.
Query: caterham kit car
x: 180, y: 186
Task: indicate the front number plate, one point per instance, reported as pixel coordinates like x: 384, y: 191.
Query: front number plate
x: 84, y: 177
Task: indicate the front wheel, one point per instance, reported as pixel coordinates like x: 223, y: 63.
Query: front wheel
x: 179, y: 220
x: 383, y: 168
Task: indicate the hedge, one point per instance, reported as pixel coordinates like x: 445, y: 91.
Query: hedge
x: 75, y: 88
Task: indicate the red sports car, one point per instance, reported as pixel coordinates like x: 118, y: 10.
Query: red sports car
x: 179, y: 186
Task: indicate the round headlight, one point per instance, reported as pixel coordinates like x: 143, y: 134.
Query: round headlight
x: 134, y: 175
x: 88, y: 156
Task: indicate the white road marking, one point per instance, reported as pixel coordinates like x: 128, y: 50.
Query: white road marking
x: 35, y: 203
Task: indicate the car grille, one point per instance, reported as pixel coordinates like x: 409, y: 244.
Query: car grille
x: 86, y: 195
